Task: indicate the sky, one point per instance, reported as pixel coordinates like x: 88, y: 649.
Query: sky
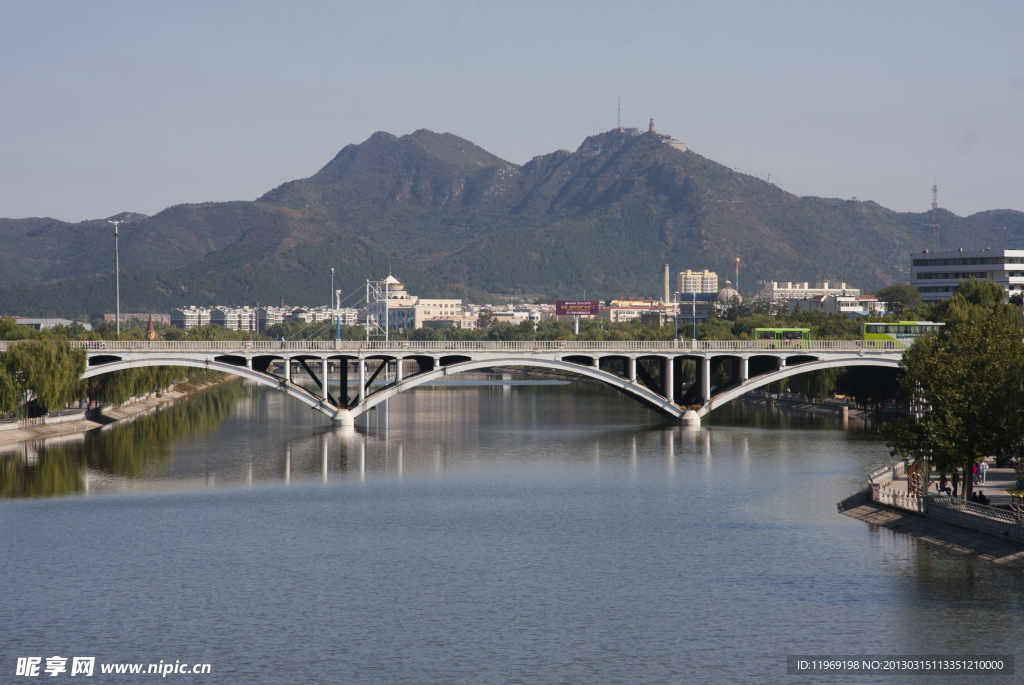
x: 126, y: 106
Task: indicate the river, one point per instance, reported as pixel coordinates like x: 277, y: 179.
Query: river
x: 480, y: 534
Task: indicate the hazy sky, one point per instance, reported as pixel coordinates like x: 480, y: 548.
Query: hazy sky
x: 135, y: 106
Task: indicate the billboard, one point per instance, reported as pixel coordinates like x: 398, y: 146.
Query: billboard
x: 576, y: 308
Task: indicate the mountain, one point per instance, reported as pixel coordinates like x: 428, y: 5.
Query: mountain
x: 448, y: 218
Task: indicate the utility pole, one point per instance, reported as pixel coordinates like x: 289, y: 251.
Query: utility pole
x: 337, y: 297
x: 117, y: 276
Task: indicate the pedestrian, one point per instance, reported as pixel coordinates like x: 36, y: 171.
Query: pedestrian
x: 974, y: 474
x: 982, y: 468
x: 956, y: 480
x: 944, y: 484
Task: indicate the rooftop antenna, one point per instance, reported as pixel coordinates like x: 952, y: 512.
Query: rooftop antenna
x: 935, y: 220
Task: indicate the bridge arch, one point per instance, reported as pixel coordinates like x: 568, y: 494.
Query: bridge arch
x: 269, y: 380
x: 787, y: 371
x: 639, y: 392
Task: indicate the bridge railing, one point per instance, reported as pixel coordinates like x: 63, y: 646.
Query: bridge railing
x: 435, y: 346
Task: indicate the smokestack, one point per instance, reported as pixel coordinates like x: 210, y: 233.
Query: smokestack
x: 665, y: 292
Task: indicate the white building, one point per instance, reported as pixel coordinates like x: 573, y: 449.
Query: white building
x: 697, y: 282
x: 409, y: 311
x: 271, y: 316
x: 467, y: 322
x: 840, y: 305
x: 784, y: 291
x: 190, y: 317
x: 43, y: 324
x: 235, y: 318
x: 935, y: 274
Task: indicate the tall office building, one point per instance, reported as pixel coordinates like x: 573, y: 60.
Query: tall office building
x: 936, y: 274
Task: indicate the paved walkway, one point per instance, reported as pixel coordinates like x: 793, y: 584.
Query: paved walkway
x: 997, y: 481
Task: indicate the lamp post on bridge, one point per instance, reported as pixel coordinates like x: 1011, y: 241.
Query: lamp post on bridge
x: 331, y: 300
x: 117, y: 276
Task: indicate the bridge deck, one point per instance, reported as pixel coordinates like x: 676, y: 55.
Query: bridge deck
x: 649, y: 371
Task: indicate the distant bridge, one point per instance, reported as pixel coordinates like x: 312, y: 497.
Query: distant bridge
x: 650, y: 372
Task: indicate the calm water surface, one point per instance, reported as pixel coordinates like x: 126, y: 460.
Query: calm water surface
x: 511, y: 534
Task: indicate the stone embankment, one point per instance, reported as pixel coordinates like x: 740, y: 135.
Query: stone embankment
x: 954, y: 538
x: 80, y: 421
x: 994, y: 533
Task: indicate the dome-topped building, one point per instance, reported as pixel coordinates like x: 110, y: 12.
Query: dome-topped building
x: 726, y: 294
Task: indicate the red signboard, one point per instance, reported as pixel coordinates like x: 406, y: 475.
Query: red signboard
x: 576, y: 308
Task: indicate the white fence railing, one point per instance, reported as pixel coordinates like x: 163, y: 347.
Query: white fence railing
x: 897, y: 498
x: 976, y: 509
x: 487, y: 345
x: 1004, y: 523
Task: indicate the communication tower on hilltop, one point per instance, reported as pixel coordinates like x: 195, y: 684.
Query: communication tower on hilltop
x: 935, y: 218
x: 620, y: 114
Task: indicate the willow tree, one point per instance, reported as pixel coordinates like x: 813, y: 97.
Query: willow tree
x: 49, y: 368
x: 972, y: 382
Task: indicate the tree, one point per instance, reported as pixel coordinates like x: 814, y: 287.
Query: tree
x: 900, y: 298
x: 973, y: 381
x: 49, y: 368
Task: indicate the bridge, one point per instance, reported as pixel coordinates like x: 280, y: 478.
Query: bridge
x: 650, y: 372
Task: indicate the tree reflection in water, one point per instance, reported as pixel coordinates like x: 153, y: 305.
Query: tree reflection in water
x: 128, y: 450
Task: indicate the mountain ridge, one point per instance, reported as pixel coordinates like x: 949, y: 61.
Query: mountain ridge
x: 450, y: 217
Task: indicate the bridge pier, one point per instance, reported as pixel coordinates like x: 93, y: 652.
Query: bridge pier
x: 288, y: 369
x: 705, y: 380
x: 744, y: 370
x: 690, y: 419
x: 362, y: 380
x: 631, y: 371
x: 666, y: 379
x: 343, y: 417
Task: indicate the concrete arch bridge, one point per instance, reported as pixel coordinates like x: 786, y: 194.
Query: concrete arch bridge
x: 650, y: 372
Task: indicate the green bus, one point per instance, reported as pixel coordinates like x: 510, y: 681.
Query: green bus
x: 774, y: 338
x: 898, y: 330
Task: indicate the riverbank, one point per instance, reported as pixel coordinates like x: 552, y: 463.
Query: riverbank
x: 104, y: 416
x: 832, y: 407
x: 1006, y: 553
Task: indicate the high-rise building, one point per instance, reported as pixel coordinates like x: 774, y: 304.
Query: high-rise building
x: 698, y: 281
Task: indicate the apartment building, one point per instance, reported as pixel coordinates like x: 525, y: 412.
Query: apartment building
x: 190, y: 317
x: 697, y: 282
x: 235, y: 318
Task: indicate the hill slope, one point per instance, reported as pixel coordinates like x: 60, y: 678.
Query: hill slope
x: 446, y: 216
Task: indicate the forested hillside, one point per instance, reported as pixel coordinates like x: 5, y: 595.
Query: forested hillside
x: 448, y: 217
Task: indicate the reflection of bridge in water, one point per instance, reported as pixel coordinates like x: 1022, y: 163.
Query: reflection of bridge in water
x: 651, y: 372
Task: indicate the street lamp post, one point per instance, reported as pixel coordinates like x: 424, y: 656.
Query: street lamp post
x: 333, y: 312
x: 117, y: 276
